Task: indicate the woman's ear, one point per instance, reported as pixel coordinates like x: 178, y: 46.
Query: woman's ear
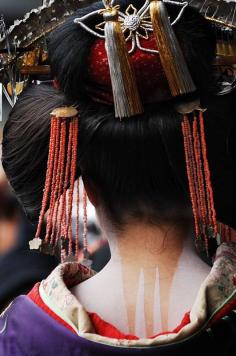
x: 92, y: 192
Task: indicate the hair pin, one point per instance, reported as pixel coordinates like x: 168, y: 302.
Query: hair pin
x: 135, y: 24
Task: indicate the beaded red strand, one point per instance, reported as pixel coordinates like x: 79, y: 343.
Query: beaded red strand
x: 59, y: 179
x: 72, y: 181
x: 60, y: 175
x: 195, y: 181
x: 203, y: 198
x: 190, y: 173
x: 63, y: 212
x: 212, y: 212
x: 199, y: 178
x: 48, y: 177
x: 54, y: 176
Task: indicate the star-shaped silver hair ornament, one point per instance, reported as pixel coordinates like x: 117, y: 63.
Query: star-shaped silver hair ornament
x: 135, y: 24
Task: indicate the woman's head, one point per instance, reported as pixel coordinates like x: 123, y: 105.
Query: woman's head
x: 136, y: 167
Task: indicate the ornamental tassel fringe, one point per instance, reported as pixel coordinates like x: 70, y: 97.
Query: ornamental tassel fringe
x: 125, y: 92
x: 59, y: 185
x: 199, y: 178
x: 172, y: 59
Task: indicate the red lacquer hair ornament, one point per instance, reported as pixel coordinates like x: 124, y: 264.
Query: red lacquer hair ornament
x: 152, y: 88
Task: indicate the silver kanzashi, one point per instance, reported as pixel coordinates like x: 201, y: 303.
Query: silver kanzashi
x: 136, y: 24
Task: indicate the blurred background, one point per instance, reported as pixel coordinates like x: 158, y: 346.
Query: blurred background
x: 13, y: 225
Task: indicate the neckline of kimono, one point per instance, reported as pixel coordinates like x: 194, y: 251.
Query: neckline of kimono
x: 221, y: 312
x: 213, y: 294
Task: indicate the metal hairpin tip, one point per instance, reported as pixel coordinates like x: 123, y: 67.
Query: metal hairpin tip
x: 188, y: 107
x: 65, y: 112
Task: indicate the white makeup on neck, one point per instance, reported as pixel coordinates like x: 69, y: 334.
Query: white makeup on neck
x: 148, y: 284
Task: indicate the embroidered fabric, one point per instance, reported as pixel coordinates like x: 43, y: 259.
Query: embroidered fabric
x: 101, y: 327
x: 216, y: 297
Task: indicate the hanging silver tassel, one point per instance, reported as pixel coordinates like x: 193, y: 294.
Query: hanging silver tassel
x: 125, y: 92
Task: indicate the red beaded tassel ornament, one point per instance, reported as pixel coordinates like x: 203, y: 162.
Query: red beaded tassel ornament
x: 199, y: 178
x: 181, y: 85
x: 59, y: 187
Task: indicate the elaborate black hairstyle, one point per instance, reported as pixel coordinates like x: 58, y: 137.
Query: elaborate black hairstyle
x: 137, y: 165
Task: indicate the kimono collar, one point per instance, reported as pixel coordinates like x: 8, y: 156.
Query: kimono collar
x: 216, y: 294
